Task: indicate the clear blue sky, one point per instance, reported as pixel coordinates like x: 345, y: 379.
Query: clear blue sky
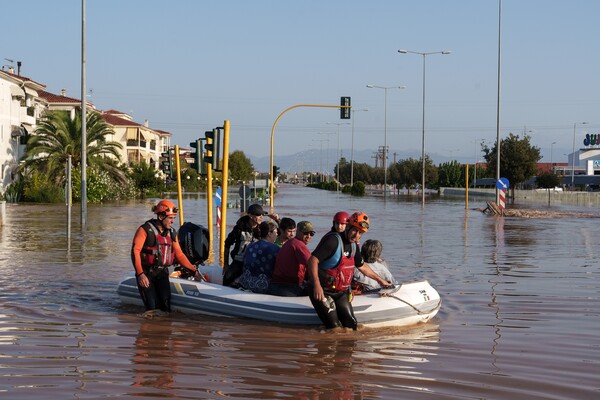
x: 187, y: 65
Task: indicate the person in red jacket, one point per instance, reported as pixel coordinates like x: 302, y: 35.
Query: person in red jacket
x: 155, y: 248
x: 290, y: 272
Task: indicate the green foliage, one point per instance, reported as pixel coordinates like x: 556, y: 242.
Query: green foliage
x: 345, y: 170
x: 101, y: 188
x: 518, y: 158
x: 58, y: 136
x: 192, y: 181
x: 548, y: 180
x: 39, y: 189
x: 324, y: 185
x: 147, y: 180
x: 14, y: 191
x: 406, y: 172
x: 451, y: 174
x: 365, y: 173
x: 358, y: 189
x: 240, y: 167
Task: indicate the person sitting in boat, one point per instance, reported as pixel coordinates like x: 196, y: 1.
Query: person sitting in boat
x: 259, y: 260
x: 155, y: 248
x: 289, y: 275
x: 371, y: 254
x: 331, y: 267
x: 340, y: 220
x: 244, y: 232
x: 287, y: 230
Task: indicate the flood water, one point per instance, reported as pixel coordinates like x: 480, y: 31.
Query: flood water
x: 519, y: 319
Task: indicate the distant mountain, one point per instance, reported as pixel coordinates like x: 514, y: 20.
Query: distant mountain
x: 315, y: 160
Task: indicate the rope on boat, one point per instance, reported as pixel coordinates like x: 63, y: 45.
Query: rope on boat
x: 419, y: 312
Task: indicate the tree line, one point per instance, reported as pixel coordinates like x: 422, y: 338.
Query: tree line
x: 41, y: 174
x: 518, y: 163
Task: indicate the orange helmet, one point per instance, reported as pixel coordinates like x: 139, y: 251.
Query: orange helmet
x: 165, y: 206
x: 360, y: 221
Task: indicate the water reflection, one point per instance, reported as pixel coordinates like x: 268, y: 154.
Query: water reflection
x: 265, y: 361
x: 155, y: 357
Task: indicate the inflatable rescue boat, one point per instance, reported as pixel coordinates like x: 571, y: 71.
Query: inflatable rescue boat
x: 406, y: 304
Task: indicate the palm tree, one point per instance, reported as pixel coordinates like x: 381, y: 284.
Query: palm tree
x: 58, y: 136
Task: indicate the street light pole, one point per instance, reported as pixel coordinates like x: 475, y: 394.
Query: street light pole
x: 327, y: 154
x: 352, y: 151
x: 339, y: 155
x: 321, y: 156
x: 573, y: 155
x: 385, y: 89
x: 551, y: 154
x: 424, y: 55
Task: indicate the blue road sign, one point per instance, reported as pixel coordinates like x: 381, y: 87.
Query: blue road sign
x: 502, y: 184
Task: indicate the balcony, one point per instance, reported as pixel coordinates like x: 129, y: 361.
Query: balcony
x: 135, y: 143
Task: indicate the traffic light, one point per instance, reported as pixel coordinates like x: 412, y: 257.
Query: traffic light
x: 214, y: 148
x: 345, y: 112
x: 166, y: 163
x: 197, y: 164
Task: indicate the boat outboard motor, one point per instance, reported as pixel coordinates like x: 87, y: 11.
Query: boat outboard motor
x: 193, y: 240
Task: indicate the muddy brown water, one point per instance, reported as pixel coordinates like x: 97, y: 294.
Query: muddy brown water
x: 519, y: 318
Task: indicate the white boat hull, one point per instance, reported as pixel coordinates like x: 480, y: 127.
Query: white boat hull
x: 409, y: 304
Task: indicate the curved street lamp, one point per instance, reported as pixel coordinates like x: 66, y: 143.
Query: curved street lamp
x: 424, y: 55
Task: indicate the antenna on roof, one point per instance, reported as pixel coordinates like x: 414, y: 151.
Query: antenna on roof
x: 11, y: 67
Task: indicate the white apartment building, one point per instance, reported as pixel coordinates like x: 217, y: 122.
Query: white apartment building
x: 23, y: 101
x: 20, y: 108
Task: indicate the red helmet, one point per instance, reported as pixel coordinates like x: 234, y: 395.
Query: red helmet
x: 165, y: 206
x: 341, y: 217
x: 360, y: 221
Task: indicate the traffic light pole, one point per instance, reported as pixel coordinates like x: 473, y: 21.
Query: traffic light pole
x: 272, y: 183
x: 225, y: 185
x: 209, y: 195
x: 178, y: 175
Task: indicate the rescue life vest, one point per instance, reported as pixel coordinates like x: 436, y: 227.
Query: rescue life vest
x: 158, y: 247
x: 336, y: 272
x: 240, y: 250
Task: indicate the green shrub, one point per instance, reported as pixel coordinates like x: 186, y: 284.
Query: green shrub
x: 14, y: 191
x: 358, y: 189
x: 39, y: 188
x: 100, y: 187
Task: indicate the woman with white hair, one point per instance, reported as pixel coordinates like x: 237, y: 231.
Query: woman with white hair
x: 371, y: 254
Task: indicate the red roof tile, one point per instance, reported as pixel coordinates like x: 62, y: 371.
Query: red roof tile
x: 117, y: 121
x: 55, y: 98
x: 21, y: 77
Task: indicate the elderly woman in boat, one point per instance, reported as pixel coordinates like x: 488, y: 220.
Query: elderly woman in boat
x: 371, y: 254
